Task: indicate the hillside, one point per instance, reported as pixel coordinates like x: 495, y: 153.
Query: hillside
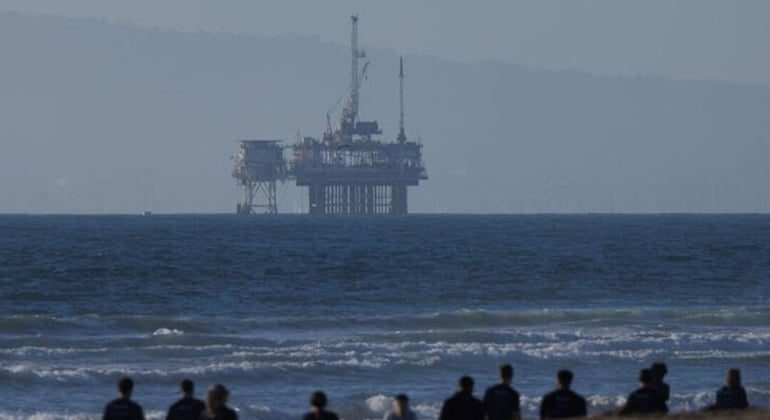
x: 102, y: 117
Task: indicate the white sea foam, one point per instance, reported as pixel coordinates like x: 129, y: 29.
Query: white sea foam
x: 47, y: 416
x: 600, y: 345
x: 721, y: 354
x: 600, y: 403
x: 167, y: 332
x: 35, y: 351
x: 692, y: 401
x: 379, y: 403
x: 679, y: 402
x: 48, y: 373
x: 263, y: 412
x: 530, y: 403
x: 250, y: 362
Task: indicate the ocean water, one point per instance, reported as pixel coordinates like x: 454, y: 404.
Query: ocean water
x: 365, y: 308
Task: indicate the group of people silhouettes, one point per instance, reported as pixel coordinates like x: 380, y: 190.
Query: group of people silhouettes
x: 187, y: 408
x: 653, y: 393
x: 501, y: 401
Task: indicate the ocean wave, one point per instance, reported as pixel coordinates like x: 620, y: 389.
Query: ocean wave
x: 166, y: 332
x: 35, y: 324
x: 717, y: 354
x: 401, y: 353
x: 476, y: 319
x: 692, y: 401
x: 42, y: 415
x: 47, y: 416
x: 39, y: 351
x: 379, y: 403
x: 263, y: 412
x: 90, y: 324
x: 259, y: 371
x: 300, y: 327
x: 601, y: 403
x: 374, y: 407
x: 35, y: 371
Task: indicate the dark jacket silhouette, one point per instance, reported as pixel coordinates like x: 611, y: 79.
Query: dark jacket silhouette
x: 645, y: 400
x: 462, y: 406
x: 187, y: 408
x: 563, y: 404
x: 123, y: 409
x: 223, y: 413
x: 501, y: 402
x: 731, y: 398
x: 323, y: 415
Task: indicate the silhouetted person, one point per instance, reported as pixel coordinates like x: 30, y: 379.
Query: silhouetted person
x: 188, y: 407
x: 732, y: 396
x: 401, y: 409
x: 501, y: 402
x: 123, y: 408
x: 645, y: 400
x: 318, y: 411
x: 216, y: 405
x: 563, y: 403
x: 463, y: 405
x: 659, y: 371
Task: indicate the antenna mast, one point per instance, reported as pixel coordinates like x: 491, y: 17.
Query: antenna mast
x: 401, y: 135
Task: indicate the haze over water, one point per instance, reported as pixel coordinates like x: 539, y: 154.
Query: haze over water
x: 522, y: 107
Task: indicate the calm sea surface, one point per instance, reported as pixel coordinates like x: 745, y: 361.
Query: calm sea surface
x: 365, y: 308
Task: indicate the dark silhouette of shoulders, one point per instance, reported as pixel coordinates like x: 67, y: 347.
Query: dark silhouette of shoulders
x: 501, y: 401
x: 462, y: 406
x: 561, y: 404
x: 186, y: 409
x: 407, y: 416
x: 323, y: 415
x: 123, y: 409
x: 644, y: 400
x: 224, y: 413
x: 732, y: 397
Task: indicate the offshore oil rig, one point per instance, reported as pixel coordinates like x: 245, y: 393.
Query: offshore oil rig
x: 348, y: 171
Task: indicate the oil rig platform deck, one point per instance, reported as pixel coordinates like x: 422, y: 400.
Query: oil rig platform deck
x: 350, y: 170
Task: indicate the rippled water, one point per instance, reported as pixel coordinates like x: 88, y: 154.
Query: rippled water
x: 368, y: 307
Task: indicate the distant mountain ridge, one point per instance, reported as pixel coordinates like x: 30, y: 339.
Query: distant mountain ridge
x: 102, y: 117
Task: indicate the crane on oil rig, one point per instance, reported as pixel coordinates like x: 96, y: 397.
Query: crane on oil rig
x: 329, y: 134
x: 350, y: 125
x: 350, y: 113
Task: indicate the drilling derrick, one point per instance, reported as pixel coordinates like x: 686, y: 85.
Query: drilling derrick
x: 350, y: 112
x: 351, y: 171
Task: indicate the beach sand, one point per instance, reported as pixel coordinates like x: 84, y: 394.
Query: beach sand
x: 750, y: 414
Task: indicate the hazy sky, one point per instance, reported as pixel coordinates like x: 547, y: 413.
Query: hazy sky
x: 77, y: 93
x: 704, y: 39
